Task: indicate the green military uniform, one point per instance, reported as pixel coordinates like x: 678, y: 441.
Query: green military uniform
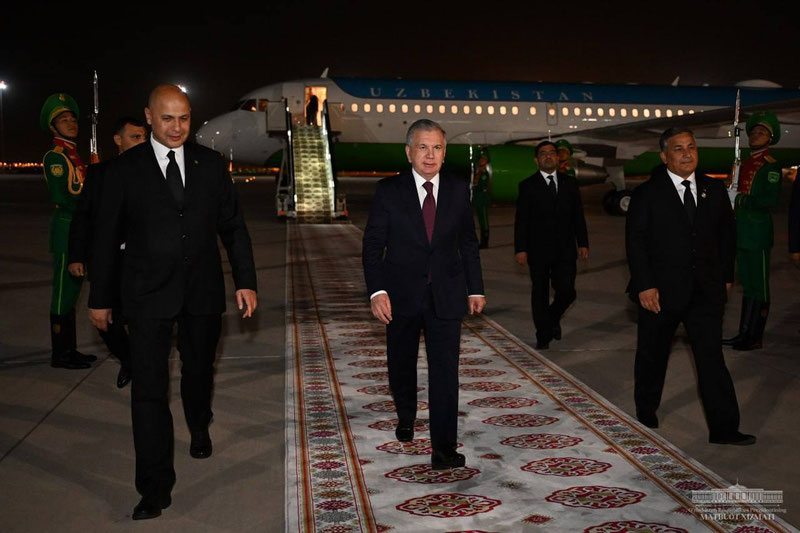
x: 566, y: 166
x: 758, y: 190
x: 64, y: 173
x: 481, y: 199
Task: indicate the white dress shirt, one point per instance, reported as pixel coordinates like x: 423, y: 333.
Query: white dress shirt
x: 547, y: 178
x: 678, y: 182
x: 161, y: 152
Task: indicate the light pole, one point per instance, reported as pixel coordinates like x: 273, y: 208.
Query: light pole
x: 3, y: 87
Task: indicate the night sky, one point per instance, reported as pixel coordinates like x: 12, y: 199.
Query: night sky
x: 221, y: 54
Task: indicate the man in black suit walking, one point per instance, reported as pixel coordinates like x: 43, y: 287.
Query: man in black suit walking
x: 423, y: 273
x: 128, y: 132
x: 549, y: 223
x: 168, y: 200
x: 681, y: 245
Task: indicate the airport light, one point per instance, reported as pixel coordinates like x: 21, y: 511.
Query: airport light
x: 3, y: 88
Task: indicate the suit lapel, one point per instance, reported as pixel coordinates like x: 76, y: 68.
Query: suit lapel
x: 412, y: 207
x: 190, y: 164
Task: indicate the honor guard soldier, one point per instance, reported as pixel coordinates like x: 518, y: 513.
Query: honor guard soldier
x: 64, y: 173
x: 481, y: 198
x: 565, y: 163
x: 758, y: 191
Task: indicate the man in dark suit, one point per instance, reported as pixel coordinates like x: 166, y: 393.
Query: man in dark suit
x: 681, y: 245
x: 168, y: 200
x: 548, y: 225
x: 423, y: 273
x: 128, y: 132
x: 794, y: 224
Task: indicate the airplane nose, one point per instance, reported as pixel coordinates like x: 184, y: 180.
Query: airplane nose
x: 215, y: 134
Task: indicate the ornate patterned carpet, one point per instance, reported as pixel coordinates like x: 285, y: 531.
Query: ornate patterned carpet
x: 544, y: 452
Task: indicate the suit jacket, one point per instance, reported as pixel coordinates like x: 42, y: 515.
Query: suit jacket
x: 85, y: 216
x: 549, y: 229
x: 666, y: 252
x: 396, y: 254
x: 171, y: 260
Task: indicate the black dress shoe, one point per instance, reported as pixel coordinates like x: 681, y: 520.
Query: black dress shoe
x: 200, y: 448
x: 89, y: 358
x: 542, y: 345
x: 736, y: 439
x: 68, y: 360
x: 150, y: 507
x: 648, y: 419
x: 557, y: 332
x: 123, y: 377
x: 404, y: 431
x: 444, y: 459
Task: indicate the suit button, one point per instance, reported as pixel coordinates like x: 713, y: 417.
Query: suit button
x: 184, y: 236
x: 180, y: 213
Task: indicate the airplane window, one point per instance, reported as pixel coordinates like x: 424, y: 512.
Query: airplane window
x: 623, y: 112
x: 669, y: 112
x: 514, y: 110
x: 237, y: 105
x: 428, y: 109
x: 442, y: 109
x: 454, y: 109
x: 634, y: 112
x: 646, y: 112
x: 691, y: 111
x: 379, y: 108
x: 249, y: 105
x: 532, y: 110
x: 367, y: 108
x: 502, y: 110
x: 577, y: 111
x: 478, y: 110
x: 565, y: 111
x: 680, y: 112
x: 658, y: 113
x: 354, y: 107
x: 588, y: 111
x: 611, y: 111
x: 490, y: 110
x: 404, y: 108
x: 600, y: 112
x: 466, y: 110
x: 392, y: 108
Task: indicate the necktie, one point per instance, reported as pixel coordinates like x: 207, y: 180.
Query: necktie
x: 429, y: 209
x: 174, y: 180
x: 552, y: 186
x: 688, y: 200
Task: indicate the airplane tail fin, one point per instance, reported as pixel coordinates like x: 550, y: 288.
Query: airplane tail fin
x: 674, y: 82
x: 324, y: 73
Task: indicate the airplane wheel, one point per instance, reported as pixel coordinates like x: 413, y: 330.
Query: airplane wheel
x: 617, y: 202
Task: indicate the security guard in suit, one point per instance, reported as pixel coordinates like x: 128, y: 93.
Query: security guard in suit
x: 481, y: 198
x: 758, y: 191
x: 64, y: 173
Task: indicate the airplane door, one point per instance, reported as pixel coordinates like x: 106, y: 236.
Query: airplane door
x: 552, y: 114
x: 294, y: 93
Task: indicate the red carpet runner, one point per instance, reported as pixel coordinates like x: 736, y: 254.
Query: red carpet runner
x: 544, y: 452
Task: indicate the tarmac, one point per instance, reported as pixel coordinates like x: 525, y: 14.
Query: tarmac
x: 66, y: 450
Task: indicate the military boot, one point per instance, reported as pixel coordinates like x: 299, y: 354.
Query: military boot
x: 63, y: 356
x: 757, y: 319
x: 73, y: 340
x: 747, y: 303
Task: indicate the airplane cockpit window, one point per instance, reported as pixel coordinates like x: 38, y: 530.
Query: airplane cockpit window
x: 237, y: 105
x: 249, y: 105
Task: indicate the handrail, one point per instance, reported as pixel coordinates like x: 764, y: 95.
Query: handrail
x: 290, y: 149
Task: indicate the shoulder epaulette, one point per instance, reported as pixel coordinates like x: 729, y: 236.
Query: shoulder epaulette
x: 58, y: 149
x: 770, y: 159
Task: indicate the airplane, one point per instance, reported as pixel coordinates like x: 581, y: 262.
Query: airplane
x: 614, y: 128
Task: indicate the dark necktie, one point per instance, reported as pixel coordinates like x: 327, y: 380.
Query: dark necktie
x: 688, y: 200
x: 552, y: 186
x: 429, y: 209
x: 174, y: 180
